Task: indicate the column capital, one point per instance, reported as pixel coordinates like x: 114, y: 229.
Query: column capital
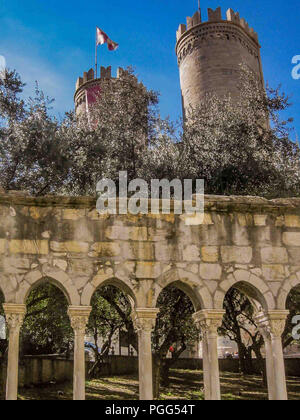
x: 272, y: 323
x: 209, y: 320
x: 14, y: 314
x: 79, y: 317
x: 144, y: 319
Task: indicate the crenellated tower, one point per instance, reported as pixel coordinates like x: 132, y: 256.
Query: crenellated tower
x: 210, y: 53
x: 88, y: 89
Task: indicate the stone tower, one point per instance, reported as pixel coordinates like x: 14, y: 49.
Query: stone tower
x: 210, y: 53
x: 88, y: 89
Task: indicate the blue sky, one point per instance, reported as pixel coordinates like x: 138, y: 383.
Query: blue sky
x: 53, y: 42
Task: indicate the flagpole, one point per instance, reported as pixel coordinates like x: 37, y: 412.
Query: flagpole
x: 96, y: 58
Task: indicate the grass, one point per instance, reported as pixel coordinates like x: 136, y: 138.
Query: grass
x: 184, y: 385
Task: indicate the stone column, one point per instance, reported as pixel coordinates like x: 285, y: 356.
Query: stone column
x: 14, y: 317
x: 209, y: 321
x: 79, y: 316
x: 144, y: 323
x: 206, y: 367
x: 271, y: 325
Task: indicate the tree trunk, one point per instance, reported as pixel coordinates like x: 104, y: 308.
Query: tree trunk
x: 156, y: 376
x: 261, y: 364
x: 165, y: 373
x: 242, y: 357
x: 249, y: 362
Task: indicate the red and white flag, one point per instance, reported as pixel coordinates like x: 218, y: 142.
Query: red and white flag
x: 102, y: 38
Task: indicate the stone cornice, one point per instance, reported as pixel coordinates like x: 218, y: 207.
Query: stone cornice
x: 205, y: 25
x: 243, y: 204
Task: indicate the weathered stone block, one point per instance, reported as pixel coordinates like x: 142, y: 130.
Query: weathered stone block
x: 191, y: 253
x: 138, y: 233
x: 211, y: 285
x: 62, y: 264
x: 25, y: 246
x: 33, y: 276
x: 240, y: 236
x: 80, y: 281
x: 274, y: 287
x: 291, y: 238
x: 194, y: 268
x: 207, y: 219
x: 274, y: 255
x: 16, y: 265
x: 273, y: 272
x: 244, y: 219
x: 292, y: 220
x: 142, y: 250
x: 117, y: 233
x: 147, y: 270
x: 73, y: 214
x: 80, y: 266
x: 236, y: 254
x: 157, y: 235
x: 210, y: 271
x: 242, y: 275
x: 280, y: 221
x: 163, y: 251
x: 210, y: 253
x: 70, y: 246
x: 263, y: 236
x: 260, y: 219
x: 294, y: 255
x: 106, y: 249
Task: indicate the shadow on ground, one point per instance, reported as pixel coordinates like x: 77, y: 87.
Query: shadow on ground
x: 184, y: 385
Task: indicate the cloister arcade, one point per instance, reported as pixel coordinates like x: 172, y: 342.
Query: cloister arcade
x: 244, y: 242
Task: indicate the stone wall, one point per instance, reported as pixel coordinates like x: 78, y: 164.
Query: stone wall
x: 292, y: 366
x: 247, y: 242
x: 35, y: 370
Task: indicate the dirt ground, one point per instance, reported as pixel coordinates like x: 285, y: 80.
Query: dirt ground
x: 185, y: 384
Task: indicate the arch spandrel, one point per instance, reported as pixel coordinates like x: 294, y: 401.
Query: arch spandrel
x: 256, y: 289
x: 108, y: 280
x: 54, y: 276
x: 189, y: 283
x: 288, y: 285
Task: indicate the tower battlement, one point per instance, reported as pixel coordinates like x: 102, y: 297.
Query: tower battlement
x: 210, y: 54
x: 105, y: 73
x: 88, y: 81
x: 216, y: 16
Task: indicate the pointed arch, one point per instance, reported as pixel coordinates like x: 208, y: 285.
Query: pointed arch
x: 108, y: 280
x: 256, y: 289
x: 51, y: 275
x: 189, y: 283
x: 292, y: 282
